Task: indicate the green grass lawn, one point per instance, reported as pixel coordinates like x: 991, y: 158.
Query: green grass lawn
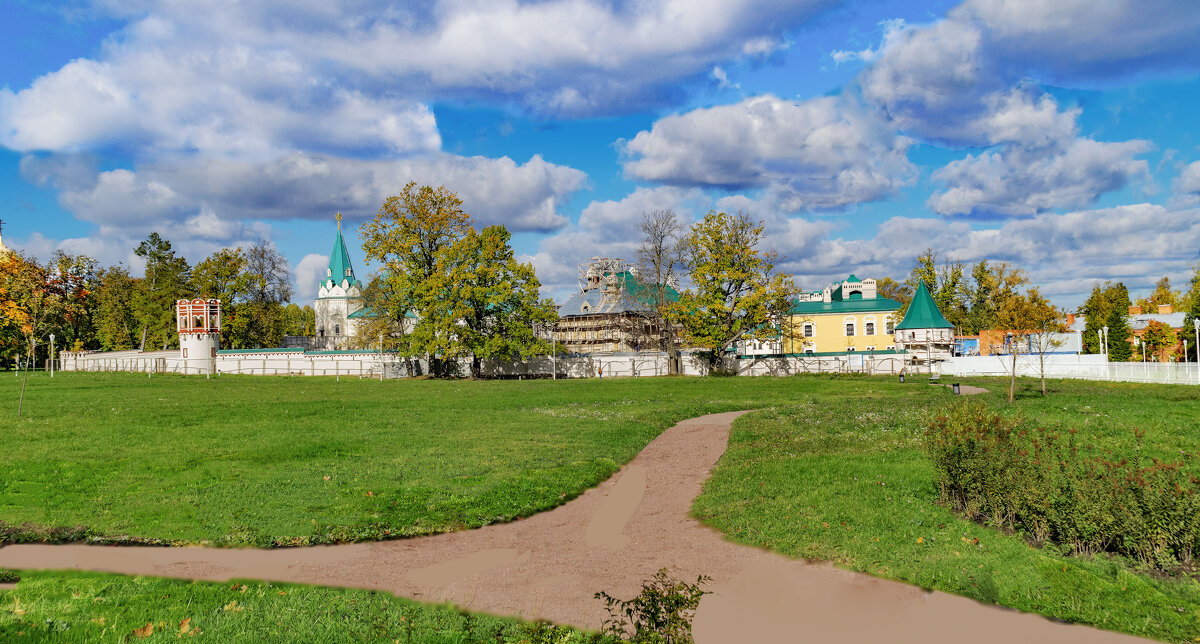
x: 86, y: 607
x: 262, y: 461
x: 829, y: 468
x: 844, y: 479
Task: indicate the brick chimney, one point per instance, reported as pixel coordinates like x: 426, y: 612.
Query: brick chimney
x: 1070, y: 319
x: 1135, y: 310
x: 1165, y: 309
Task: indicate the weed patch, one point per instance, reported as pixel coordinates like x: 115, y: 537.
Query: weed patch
x: 1001, y: 471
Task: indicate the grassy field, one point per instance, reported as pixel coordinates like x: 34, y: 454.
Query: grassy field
x: 278, y: 461
x: 829, y: 468
x: 85, y: 607
x: 844, y: 479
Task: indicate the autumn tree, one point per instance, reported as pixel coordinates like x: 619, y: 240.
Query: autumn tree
x: 38, y: 301
x: 75, y: 277
x: 488, y: 305
x: 661, y: 258
x: 1162, y: 294
x: 1160, y: 340
x: 736, y: 291
x: 407, y: 236
x: 166, y: 279
x: 889, y: 288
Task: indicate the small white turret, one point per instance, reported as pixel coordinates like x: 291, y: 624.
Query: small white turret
x: 199, y: 325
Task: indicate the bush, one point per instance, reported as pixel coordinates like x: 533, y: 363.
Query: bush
x: 661, y: 614
x: 996, y: 470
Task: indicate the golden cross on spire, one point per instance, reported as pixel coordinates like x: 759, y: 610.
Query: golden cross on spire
x: 339, y: 220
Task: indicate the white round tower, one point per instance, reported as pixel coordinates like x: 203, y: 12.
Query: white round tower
x: 199, y: 325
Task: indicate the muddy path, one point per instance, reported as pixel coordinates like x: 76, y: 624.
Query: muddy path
x: 610, y: 538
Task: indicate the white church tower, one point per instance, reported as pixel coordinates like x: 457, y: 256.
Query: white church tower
x: 338, y: 297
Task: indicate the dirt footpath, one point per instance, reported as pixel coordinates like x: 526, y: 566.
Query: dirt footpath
x: 610, y: 538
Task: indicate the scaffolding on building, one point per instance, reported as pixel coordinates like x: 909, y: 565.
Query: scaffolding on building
x: 604, y: 317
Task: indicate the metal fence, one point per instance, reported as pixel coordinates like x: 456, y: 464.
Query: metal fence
x: 1085, y: 367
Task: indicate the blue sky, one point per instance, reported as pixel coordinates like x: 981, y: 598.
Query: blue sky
x: 1059, y: 136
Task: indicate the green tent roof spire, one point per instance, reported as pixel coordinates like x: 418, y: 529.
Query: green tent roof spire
x: 923, y: 312
x: 339, y: 260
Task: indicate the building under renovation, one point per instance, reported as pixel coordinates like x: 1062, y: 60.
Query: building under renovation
x: 610, y: 313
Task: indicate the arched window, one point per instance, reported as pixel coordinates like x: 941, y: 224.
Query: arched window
x: 849, y: 322
x: 869, y: 325
x: 337, y: 329
x: 808, y: 330
x: 890, y: 324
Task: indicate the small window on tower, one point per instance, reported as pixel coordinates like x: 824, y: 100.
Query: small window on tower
x: 347, y: 272
x: 328, y: 272
x: 337, y: 329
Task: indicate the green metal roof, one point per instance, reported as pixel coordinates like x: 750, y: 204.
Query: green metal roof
x: 852, y: 278
x: 635, y: 287
x: 876, y: 305
x: 923, y: 312
x: 339, y: 262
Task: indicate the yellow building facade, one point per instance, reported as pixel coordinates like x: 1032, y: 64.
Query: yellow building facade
x: 844, y: 317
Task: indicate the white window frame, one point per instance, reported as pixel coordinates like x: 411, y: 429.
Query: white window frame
x: 850, y: 324
x: 873, y: 328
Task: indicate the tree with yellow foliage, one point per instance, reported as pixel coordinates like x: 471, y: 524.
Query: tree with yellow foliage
x: 736, y: 292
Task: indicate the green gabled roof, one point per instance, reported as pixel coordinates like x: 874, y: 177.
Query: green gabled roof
x: 635, y: 287
x: 923, y: 312
x: 876, y: 305
x: 339, y: 262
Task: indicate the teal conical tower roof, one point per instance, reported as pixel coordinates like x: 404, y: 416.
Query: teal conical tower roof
x: 923, y: 313
x: 339, y: 260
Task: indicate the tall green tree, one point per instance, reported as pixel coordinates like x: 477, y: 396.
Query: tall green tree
x: 945, y: 284
x: 736, y: 291
x: 490, y: 306
x: 299, y: 321
x: 990, y: 288
x: 1106, y: 300
x: 167, y: 278
x: 116, y: 324
x: 408, y: 236
x: 1190, y: 302
x: 223, y: 276
x: 1120, y: 345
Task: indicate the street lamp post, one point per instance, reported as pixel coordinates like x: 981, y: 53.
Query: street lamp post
x: 1196, y: 324
x: 51, y: 355
x: 1105, y: 329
